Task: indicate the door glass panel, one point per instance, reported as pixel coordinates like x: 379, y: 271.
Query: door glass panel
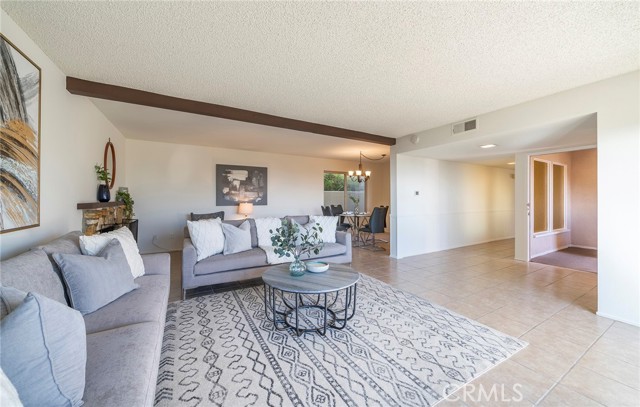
x: 558, y: 196
x: 540, y: 177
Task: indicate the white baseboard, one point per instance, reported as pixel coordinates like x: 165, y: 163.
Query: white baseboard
x: 583, y: 247
x: 550, y: 251
x: 602, y: 314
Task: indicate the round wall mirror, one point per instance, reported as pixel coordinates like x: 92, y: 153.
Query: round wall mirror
x: 109, y: 147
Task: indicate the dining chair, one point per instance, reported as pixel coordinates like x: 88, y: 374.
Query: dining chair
x: 386, y: 208
x: 336, y: 210
x: 375, y: 225
x: 326, y: 210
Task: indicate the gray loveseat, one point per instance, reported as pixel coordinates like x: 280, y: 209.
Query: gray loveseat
x: 249, y: 264
x: 124, y: 338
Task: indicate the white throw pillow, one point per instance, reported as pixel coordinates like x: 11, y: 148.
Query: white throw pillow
x: 92, y: 245
x: 263, y: 225
x: 328, y: 224
x: 207, y: 237
x: 8, y: 393
x: 303, y: 230
x: 236, y: 239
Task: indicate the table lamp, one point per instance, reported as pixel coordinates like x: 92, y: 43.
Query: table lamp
x: 245, y: 208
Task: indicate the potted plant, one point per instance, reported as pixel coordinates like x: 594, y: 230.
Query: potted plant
x: 103, y: 189
x: 125, y: 197
x: 289, y: 241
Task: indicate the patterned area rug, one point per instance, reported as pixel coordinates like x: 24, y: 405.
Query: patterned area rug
x: 398, y: 350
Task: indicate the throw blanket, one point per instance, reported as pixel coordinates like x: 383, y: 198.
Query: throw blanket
x: 273, y: 258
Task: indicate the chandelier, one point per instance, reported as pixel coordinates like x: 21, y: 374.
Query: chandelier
x: 361, y: 175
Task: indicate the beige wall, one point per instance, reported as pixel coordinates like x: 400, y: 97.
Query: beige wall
x: 584, y: 198
x: 457, y: 204
x: 168, y: 181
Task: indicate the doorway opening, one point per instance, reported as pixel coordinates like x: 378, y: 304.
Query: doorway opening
x: 563, y: 209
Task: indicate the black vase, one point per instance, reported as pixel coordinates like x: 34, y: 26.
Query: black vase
x: 103, y: 193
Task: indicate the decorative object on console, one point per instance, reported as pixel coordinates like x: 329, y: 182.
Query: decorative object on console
x: 245, y: 208
x: 289, y: 241
x: 361, y: 175
x: 104, y: 195
x: 238, y: 183
x: 124, y: 196
x: 20, y: 138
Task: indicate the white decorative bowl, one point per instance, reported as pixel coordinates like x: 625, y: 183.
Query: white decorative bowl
x: 317, y: 266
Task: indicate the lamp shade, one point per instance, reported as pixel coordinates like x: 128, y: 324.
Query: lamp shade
x: 245, y: 208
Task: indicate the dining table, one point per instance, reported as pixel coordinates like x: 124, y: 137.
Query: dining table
x: 356, y: 219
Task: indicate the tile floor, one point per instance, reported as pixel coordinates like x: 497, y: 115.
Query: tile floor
x: 574, y: 357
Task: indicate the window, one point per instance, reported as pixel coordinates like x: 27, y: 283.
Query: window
x: 549, y: 197
x: 339, y: 190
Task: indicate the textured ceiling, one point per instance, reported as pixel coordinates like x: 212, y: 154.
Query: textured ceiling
x: 389, y: 68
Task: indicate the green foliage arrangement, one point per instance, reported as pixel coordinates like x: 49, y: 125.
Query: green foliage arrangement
x: 354, y: 199
x: 102, y: 174
x: 127, y: 200
x: 288, y: 241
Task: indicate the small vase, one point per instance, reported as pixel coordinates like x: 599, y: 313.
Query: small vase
x: 297, y: 267
x: 103, y: 193
x: 356, y: 210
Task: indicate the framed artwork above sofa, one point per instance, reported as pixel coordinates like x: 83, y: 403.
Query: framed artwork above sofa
x: 240, y: 183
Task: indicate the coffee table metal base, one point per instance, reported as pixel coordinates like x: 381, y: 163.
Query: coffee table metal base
x: 287, y: 313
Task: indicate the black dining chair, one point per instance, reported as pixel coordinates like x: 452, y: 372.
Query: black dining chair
x: 386, y: 208
x: 326, y: 210
x: 375, y: 225
x: 336, y: 210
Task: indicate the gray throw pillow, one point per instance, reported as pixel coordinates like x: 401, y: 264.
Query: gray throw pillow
x: 236, y: 239
x: 201, y: 216
x: 95, y: 281
x: 10, y: 299
x: 44, y: 352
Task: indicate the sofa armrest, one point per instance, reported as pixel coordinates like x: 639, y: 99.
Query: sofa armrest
x: 189, y: 258
x: 157, y: 263
x: 343, y: 238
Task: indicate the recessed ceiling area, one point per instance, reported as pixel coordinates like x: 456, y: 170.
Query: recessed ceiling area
x: 168, y: 126
x: 573, y: 133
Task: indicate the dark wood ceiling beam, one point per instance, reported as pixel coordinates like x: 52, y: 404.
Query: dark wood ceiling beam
x: 139, y: 97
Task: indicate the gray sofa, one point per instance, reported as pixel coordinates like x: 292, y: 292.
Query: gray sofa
x: 250, y: 264
x: 124, y: 338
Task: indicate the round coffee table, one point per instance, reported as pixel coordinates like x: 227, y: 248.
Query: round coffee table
x: 288, y: 300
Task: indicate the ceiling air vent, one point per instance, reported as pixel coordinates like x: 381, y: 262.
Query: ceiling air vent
x: 461, y: 127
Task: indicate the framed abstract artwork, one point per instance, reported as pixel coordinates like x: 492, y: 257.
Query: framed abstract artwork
x: 19, y: 139
x: 239, y: 183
